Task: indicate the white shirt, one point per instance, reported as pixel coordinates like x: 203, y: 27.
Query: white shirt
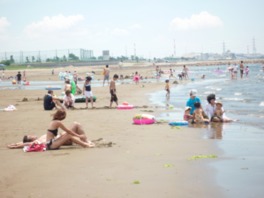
x: 209, y: 110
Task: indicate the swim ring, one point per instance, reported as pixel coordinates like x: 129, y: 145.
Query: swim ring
x: 125, y: 106
x: 143, y: 119
x: 179, y: 123
x: 26, y: 83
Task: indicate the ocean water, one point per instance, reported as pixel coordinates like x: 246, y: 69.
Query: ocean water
x: 243, y: 99
x: 240, y: 170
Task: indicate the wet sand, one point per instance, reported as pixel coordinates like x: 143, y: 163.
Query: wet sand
x: 144, y: 161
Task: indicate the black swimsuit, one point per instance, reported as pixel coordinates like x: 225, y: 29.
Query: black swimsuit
x: 49, y: 143
x: 54, y: 132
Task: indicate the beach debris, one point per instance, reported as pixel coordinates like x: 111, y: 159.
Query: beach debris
x: 161, y: 121
x: 175, y: 127
x: 136, y: 182
x: 10, y: 108
x: 25, y: 99
x: 149, y: 111
x: 171, y: 107
x: 168, y: 165
x: 195, y: 157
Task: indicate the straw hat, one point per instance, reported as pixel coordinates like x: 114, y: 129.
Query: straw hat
x: 218, y: 102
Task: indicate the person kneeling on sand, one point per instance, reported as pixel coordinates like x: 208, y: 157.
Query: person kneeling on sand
x: 68, y: 100
x: 50, y: 101
x: 29, y: 139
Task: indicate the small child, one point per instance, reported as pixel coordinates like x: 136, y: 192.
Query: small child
x: 113, y: 91
x: 136, y: 77
x: 87, y: 91
x: 68, y: 100
x: 247, y: 71
x: 198, y: 114
x: 219, y: 111
x: 187, y: 115
x: 167, y: 88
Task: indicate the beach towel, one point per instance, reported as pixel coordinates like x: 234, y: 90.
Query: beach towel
x: 35, y: 147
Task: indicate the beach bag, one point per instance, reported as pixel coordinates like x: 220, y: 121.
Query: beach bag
x: 35, y: 148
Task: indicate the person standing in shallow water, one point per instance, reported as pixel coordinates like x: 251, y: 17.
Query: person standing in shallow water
x: 241, y: 69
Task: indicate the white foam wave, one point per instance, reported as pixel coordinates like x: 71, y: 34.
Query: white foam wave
x: 261, y: 104
x: 234, y: 99
x: 237, y: 94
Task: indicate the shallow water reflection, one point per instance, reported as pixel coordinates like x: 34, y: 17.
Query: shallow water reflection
x: 215, y: 131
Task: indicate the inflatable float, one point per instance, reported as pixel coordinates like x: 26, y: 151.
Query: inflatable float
x: 81, y: 98
x: 53, y: 88
x: 125, y: 106
x: 26, y: 83
x: 143, y: 119
x: 179, y: 123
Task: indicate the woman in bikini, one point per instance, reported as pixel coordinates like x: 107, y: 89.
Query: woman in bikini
x: 71, y: 135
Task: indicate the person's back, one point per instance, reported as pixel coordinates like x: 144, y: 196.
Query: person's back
x: 48, y: 102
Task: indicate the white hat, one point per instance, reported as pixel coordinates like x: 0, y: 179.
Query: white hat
x: 193, y: 92
x: 187, y: 108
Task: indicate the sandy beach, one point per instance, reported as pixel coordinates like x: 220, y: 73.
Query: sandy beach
x: 144, y: 161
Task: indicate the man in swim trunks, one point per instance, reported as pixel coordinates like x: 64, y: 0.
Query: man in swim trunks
x: 113, y: 91
x: 106, y: 73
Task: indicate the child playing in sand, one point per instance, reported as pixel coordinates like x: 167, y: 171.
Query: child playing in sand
x: 187, y: 115
x: 167, y: 88
x: 198, y: 114
x: 113, y: 91
x: 68, y: 100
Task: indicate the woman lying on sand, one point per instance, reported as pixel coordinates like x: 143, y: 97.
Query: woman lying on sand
x: 52, y: 141
x: 29, y: 139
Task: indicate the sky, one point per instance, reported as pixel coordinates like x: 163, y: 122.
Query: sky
x: 147, y: 28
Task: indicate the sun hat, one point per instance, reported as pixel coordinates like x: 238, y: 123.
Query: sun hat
x: 187, y: 108
x: 218, y: 102
x: 193, y: 92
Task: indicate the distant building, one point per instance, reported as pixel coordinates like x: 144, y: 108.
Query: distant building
x: 106, y: 55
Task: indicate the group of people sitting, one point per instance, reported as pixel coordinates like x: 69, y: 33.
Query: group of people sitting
x: 214, y: 111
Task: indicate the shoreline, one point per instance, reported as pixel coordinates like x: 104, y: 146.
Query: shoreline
x: 145, y: 161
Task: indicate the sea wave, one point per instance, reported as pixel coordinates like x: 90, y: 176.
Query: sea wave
x: 234, y: 99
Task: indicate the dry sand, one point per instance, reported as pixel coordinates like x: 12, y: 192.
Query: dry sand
x: 144, y: 161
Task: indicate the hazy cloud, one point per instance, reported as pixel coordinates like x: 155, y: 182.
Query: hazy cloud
x: 135, y: 26
x: 196, y: 21
x: 119, y: 32
x: 53, y: 24
x: 3, y: 24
